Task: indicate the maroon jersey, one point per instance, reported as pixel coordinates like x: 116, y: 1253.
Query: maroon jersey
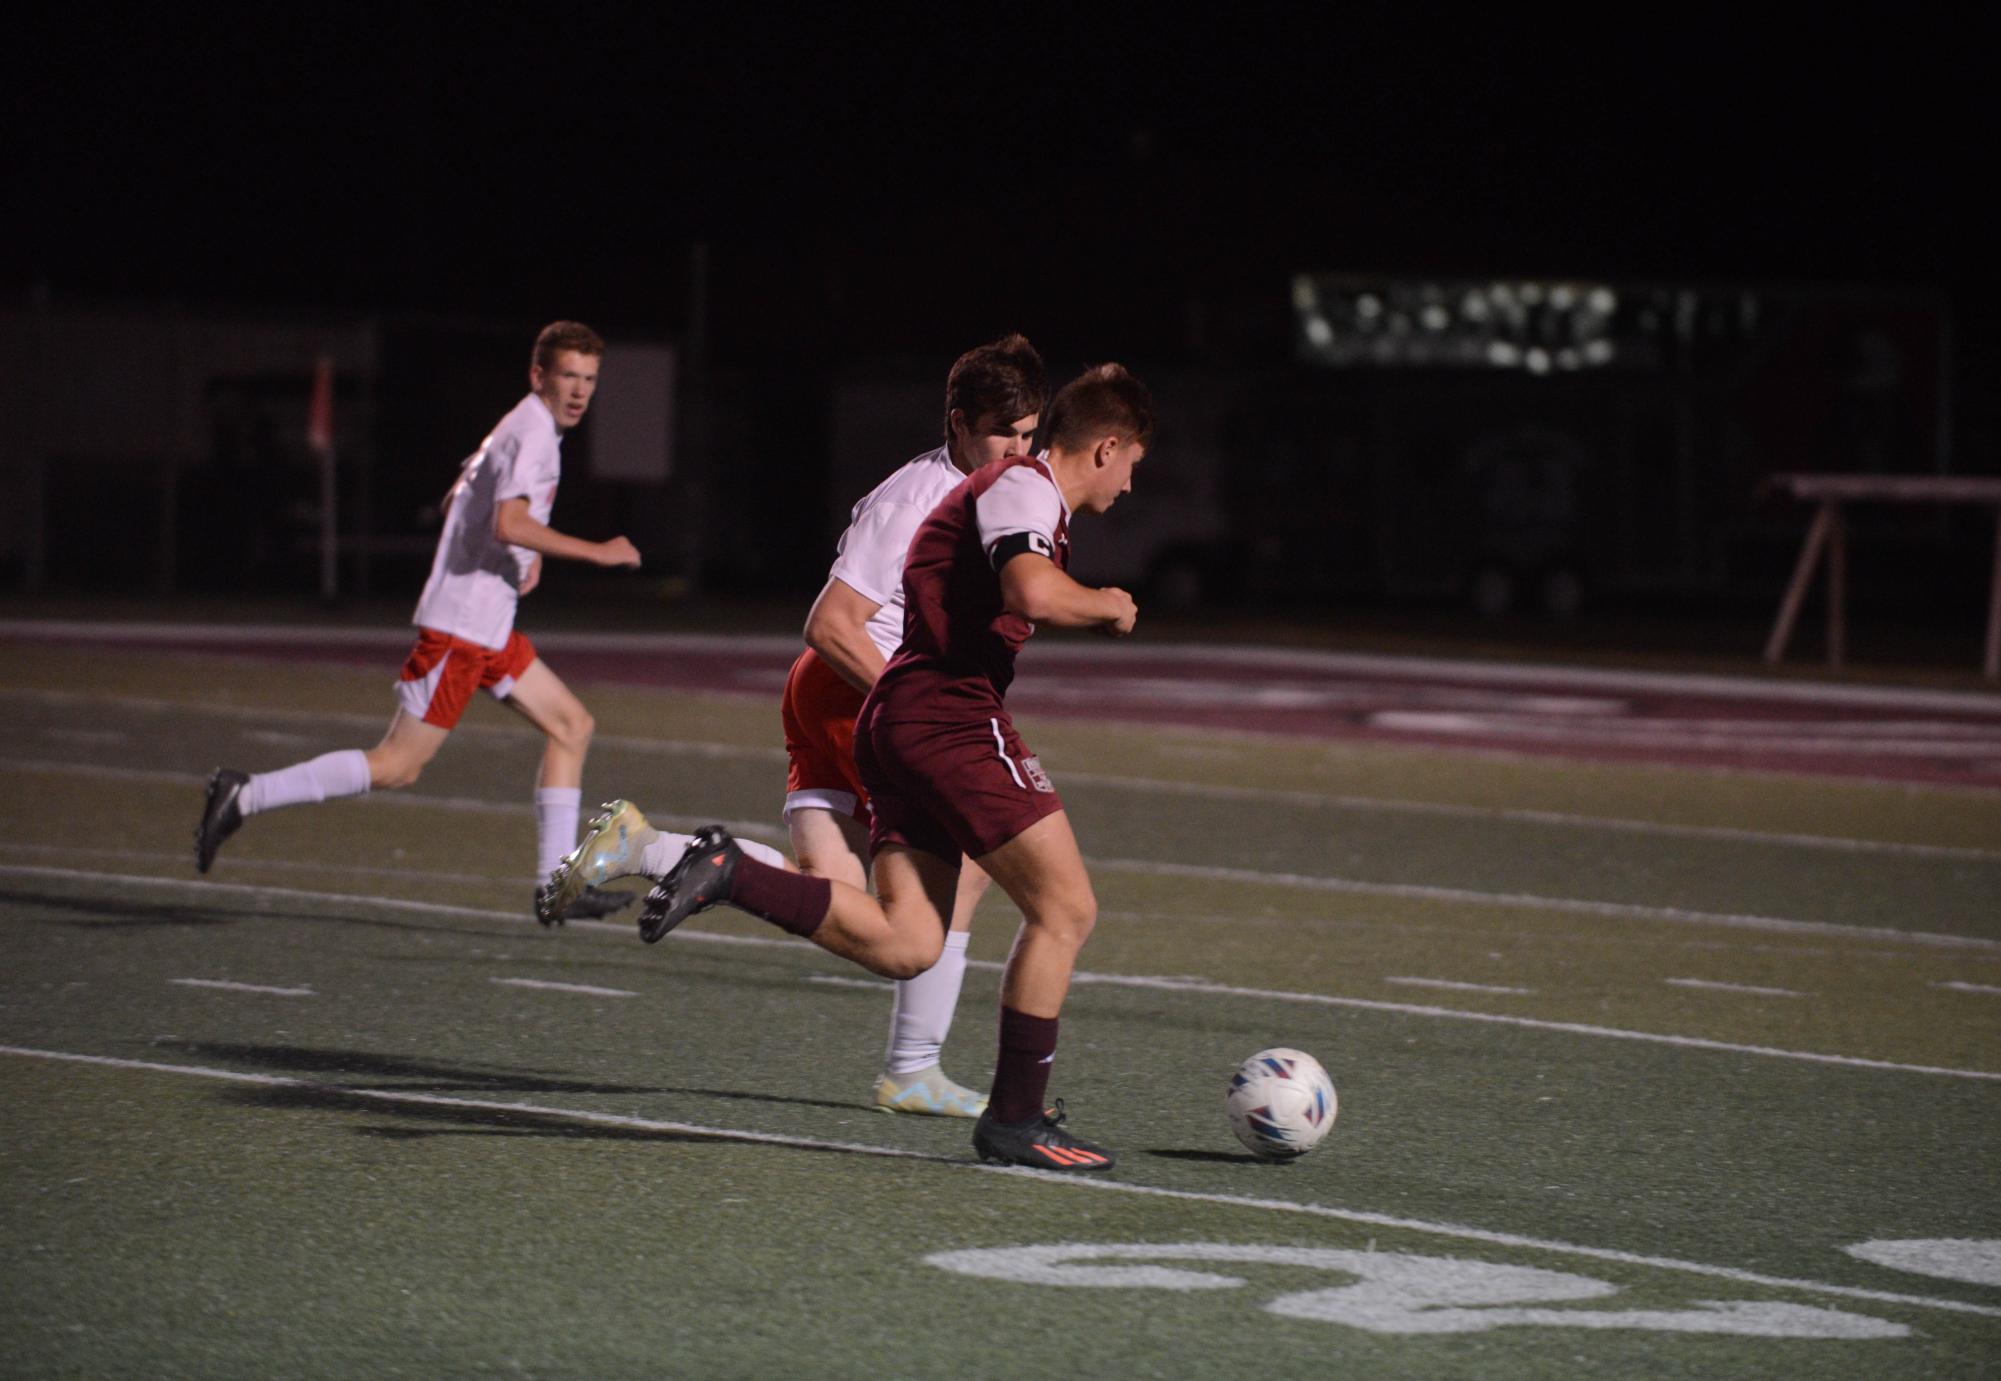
x: 959, y: 638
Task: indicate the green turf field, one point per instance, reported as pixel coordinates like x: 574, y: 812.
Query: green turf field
x: 1643, y: 1072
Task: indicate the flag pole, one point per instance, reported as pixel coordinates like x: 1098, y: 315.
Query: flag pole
x: 319, y: 436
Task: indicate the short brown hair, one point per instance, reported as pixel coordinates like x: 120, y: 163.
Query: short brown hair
x: 558, y: 336
x: 1004, y: 377
x: 1104, y: 400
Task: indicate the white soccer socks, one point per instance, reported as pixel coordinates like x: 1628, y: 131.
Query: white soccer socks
x: 922, y: 1015
x: 325, y: 778
x: 665, y: 850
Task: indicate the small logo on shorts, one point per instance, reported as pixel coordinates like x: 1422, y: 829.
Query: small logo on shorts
x: 1037, y: 778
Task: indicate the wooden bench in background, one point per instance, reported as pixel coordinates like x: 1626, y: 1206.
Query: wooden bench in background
x: 1829, y: 535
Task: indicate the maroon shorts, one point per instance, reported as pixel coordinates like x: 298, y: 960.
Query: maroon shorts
x: 950, y: 789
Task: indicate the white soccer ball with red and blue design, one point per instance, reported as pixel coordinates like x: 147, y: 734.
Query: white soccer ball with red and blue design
x: 1281, y: 1103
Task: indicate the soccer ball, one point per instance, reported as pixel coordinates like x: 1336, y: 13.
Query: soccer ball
x: 1280, y: 1103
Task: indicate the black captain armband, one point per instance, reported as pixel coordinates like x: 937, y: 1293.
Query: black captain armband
x: 1015, y: 543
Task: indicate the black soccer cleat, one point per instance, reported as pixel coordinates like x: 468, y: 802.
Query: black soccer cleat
x: 220, y: 815
x: 587, y: 905
x: 1041, y: 1143
x: 700, y: 879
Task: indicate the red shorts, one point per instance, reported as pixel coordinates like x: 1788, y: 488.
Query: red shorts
x: 951, y: 789
x: 442, y: 672
x: 819, y: 711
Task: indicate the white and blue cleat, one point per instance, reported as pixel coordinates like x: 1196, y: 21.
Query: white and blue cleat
x: 927, y: 1093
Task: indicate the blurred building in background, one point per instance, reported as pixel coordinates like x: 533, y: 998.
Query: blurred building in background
x: 1497, y: 444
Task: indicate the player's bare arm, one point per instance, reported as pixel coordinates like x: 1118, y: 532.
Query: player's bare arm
x: 516, y: 526
x: 1042, y: 592
x: 837, y: 629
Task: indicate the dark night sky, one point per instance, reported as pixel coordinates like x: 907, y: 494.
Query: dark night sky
x: 879, y: 178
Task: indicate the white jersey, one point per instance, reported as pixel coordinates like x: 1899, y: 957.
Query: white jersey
x: 476, y: 577
x: 878, y: 537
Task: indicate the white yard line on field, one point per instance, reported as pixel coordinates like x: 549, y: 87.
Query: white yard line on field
x: 229, y: 986
x: 583, y: 988
x: 1714, y: 986
x: 1461, y: 987
x: 1191, y: 985
x: 1146, y: 785
x: 1625, y: 911
x: 588, y: 1117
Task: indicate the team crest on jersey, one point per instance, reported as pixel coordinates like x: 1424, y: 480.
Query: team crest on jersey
x: 1037, y: 778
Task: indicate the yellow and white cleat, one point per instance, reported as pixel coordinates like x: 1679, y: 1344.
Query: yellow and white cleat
x: 927, y: 1092
x: 611, y: 848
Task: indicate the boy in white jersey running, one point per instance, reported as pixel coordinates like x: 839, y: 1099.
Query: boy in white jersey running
x: 489, y: 555
x: 993, y: 400
x: 949, y: 777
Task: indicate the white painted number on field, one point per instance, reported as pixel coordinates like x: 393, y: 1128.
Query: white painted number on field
x: 1398, y: 1293
x: 1976, y: 1260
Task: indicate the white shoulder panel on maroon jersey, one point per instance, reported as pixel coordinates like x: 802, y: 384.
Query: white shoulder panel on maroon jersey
x: 1025, y: 499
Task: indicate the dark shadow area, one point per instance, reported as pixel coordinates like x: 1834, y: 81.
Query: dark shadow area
x: 1209, y: 1157
x: 402, y: 1073
x: 470, y: 1121
x: 114, y: 915
x: 408, y: 1073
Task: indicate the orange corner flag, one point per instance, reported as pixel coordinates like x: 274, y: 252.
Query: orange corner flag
x: 319, y: 412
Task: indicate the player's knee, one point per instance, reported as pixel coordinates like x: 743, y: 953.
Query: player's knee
x: 1070, y: 921
x: 392, y: 773
x: 912, y: 960
x: 573, y: 729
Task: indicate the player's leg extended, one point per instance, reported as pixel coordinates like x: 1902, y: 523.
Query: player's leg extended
x: 233, y: 796
x: 900, y: 932
x: 540, y: 697
x: 898, y: 937
x: 405, y: 751
x: 620, y: 842
x: 913, y: 1078
x: 1042, y: 870
x: 828, y: 844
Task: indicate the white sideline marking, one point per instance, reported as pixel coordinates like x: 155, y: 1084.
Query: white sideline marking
x: 584, y: 988
x: 835, y: 982
x: 1471, y: 1234
x: 1714, y: 986
x: 1688, y: 734
x: 242, y: 987
x: 1521, y: 815
x: 1461, y: 987
x: 1626, y: 911
x: 712, y: 750
x: 1959, y: 987
x: 429, y: 876
x: 1534, y: 1023
x: 1185, y: 985
x: 761, y: 830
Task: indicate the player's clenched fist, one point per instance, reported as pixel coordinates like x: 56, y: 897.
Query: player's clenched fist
x: 1119, y: 620
x: 617, y: 552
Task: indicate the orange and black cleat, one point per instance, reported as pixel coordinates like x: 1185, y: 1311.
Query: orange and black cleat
x: 700, y: 879
x: 1041, y: 1144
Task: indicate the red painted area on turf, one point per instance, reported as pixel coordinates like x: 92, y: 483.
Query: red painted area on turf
x: 1544, y: 711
